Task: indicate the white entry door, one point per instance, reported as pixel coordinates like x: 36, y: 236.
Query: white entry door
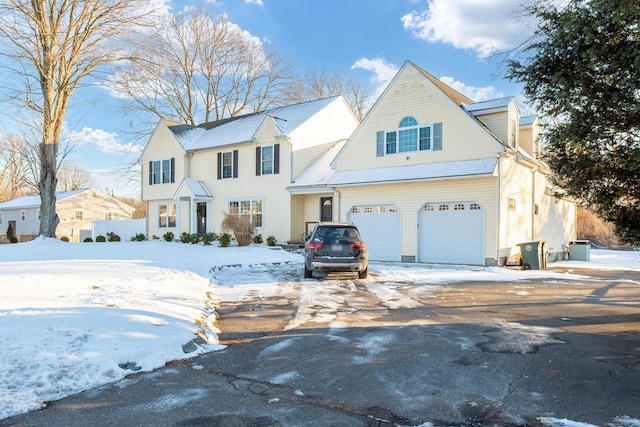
x: 381, y: 228
x: 451, y: 233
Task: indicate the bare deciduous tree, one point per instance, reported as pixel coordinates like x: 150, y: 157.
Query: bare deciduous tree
x: 15, y: 172
x: 73, y: 177
x: 52, y: 46
x: 322, y: 84
x: 199, y: 67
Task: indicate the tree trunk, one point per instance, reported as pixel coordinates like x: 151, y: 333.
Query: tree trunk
x: 47, y: 185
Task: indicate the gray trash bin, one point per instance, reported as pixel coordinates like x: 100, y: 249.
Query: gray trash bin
x: 580, y: 250
x: 534, y: 255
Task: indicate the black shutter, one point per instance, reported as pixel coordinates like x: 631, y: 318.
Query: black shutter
x: 150, y: 172
x: 276, y: 158
x: 219, y: 165
x: 258, y: 154
x: 235, y: 163
x: 380, y: 143
x: 173, y: 170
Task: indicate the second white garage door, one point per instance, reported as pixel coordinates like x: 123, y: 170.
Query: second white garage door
x: 381, y: 227
x: 451, y: 233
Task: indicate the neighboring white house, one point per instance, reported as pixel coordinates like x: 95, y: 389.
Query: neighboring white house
x: 428, y: 176
x: 76, y: 209
x: 192, y: 174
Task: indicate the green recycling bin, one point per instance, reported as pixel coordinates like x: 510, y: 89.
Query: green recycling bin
x: 534, y: 255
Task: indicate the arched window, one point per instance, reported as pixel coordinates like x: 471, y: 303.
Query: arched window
x: 408, y: 122
x: 408, y: 135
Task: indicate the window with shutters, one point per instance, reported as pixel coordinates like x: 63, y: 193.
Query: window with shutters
x: 268, y: 160
x: 410, y: 136
x: 162, y: 171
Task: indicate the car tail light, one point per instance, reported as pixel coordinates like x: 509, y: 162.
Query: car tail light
x: 359, y: 246
x: 314, y: 245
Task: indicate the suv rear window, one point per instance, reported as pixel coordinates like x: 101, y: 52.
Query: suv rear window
x: 337, y: 235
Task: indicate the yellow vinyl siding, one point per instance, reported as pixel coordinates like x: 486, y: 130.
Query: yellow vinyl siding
x: 411, y: 94
x: 410, y: 197
x: 304, y: 158
x: 162, y: 145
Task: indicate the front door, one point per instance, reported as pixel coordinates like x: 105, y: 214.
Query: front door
x: 201, y: 210
x: 326, y: 209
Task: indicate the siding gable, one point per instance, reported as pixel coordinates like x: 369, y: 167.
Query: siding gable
x: 455, y: 135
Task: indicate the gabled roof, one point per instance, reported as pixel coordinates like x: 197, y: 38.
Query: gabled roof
x: 242, y: 129
x: 33, y: 200
x: 195, y: 187
x: 527, y: 120
x: 319, y: 173
x: 455, y: 96
x: 482, y: 107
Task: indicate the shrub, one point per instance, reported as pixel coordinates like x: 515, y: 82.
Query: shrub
x: 113, y: 237
x: 11, y: 235
x: 168, y: 236
x: 154, y: 237
x: 240, y: 225
x: 64, y: 239
x: 225, y: 240
x: 194, y: 238
x: 139, y: 237
x: 258, y: 239
x: 208, y: 238
x: 271, y: 241
x: 101, y: 238
x: 185, y: 237
x: 88, y: 239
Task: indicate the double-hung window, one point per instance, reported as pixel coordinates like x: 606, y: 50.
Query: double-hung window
x: 250, y: 207
x: 167, y: 215
x: 162, y: 171
x: 227, y: 164
x: 78, y: 215
x: 23, y: 215
x: 268, y: 160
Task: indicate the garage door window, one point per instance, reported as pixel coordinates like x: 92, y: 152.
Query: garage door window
x: 443, y: 208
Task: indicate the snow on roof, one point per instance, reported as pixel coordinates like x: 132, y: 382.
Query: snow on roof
x: 500, y: 103
x: 33, y: 200
x: 197, y: 187
x: 243, y: 128
x: 527, y: 120
x: 416, y: 172
x: 319, y: 172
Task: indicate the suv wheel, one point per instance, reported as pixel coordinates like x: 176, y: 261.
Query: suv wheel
x: 308, y: 274
x: 363, y: 274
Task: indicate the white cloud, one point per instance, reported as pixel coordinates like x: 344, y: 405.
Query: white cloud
x: 258, y: 2
x: 105, y: 141
x: 475, y: 93
x: 485, y: 26
x: 382, y: 71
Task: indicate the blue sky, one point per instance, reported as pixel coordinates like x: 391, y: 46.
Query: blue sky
x: 365, y: 39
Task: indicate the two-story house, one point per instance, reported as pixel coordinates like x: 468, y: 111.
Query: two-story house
x: 239, y: 165
x: 431, y: 176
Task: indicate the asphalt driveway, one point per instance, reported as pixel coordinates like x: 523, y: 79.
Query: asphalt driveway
x: 332, y: 352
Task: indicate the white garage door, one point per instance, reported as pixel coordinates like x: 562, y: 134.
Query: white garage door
x: 380, y: 227
x: 451, y: 233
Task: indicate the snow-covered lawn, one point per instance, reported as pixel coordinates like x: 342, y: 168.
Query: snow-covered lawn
x: 77, y: 316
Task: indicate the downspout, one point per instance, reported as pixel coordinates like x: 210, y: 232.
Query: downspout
x: 533, y: 203
x: 338, y: 198
x: 499, y: 205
